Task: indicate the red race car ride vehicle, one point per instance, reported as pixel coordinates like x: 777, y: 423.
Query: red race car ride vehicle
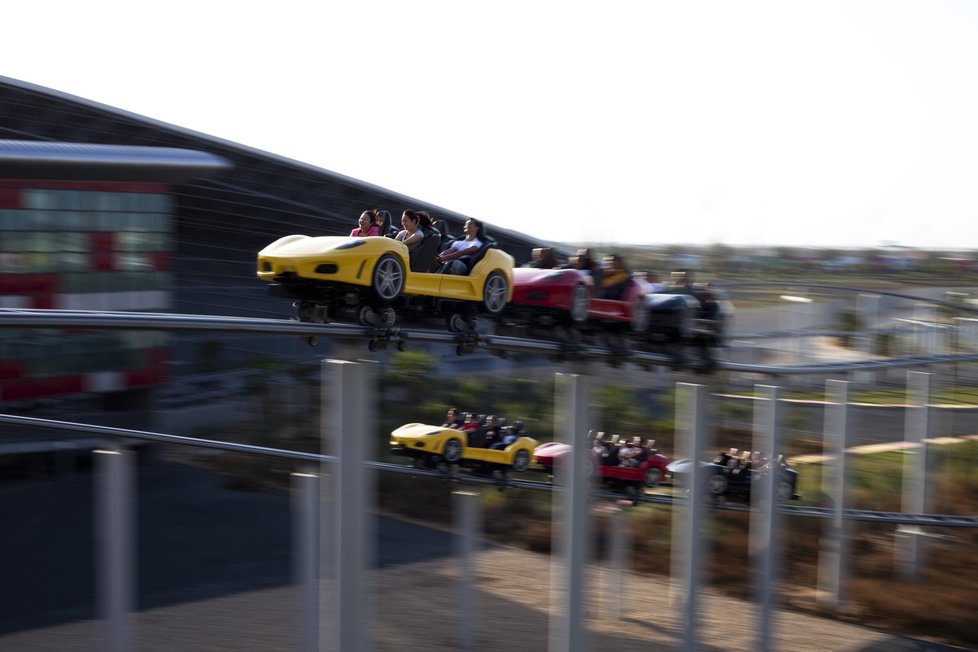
x: 631, y: 466
x: 564, y: 304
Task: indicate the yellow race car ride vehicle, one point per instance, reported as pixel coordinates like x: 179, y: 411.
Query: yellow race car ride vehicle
x: 373, y: 280
x: 432, y: 444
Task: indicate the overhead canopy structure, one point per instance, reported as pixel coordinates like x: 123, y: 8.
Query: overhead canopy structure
x: 22, y: 159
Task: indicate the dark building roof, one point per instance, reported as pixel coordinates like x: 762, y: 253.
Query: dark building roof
x: 21, y: 159
x: 293, y: 197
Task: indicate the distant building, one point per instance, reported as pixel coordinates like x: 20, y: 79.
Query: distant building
x: 158, y: 218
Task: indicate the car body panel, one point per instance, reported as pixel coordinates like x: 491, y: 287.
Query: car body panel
x: 621, y: 309
x: 548, y: 289
x: 737, y: 482
x: 547, y: 454
x: 418, y: 439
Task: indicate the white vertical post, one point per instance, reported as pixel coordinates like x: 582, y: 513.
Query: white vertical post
x: 909, y: 542
x: 114, y: 543
x: 467, y: 512
x: 305, y: 547
x: 620, y: 545
x: 764, y: 509
x: 687, y: 521
x: 833, y: 558
x: 571, y: 531
x: 868, y: 307
x: 347, y: 392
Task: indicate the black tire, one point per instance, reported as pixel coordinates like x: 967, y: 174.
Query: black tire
x: 784, y: 491
x: 456, y: 323
x: 641, y: 316
x: 495, y: 293
x: 387, y: 280
x: 521, y: 461
x: 588, y: 468
x: 652, y: 477
x: 307, y: 311
x: 717, y: 484
x: 366, y: 316
x: 579, y: 304
x: 452, y: 452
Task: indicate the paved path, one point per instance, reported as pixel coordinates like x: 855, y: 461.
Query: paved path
x: 214, y: 574
x: 414, y: 607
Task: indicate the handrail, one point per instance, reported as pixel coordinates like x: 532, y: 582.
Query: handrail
x: 41, y: 318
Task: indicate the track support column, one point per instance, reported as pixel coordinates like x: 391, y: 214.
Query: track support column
x: 688, y: 520
x: 347, y: 425
x: 114, y: 545
x: 833, y: 558
x: 764, y: 539
x: 910, y: 538
x: 571, y: 531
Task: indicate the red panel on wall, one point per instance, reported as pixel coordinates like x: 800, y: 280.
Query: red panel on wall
x: 161, y: 260
x: 26, y: 388
x: 143, y: 377
x: 100, y: 243
x: 103, y: 186
x: 9, y: 198
x: 10, y: 369
x: 27, y: 283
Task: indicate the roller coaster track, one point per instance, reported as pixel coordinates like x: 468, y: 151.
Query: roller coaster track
x: 85, y: 319
x: 734, y: 285
x: 899, y: 518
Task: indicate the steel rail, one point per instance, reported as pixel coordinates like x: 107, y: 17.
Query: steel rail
x: 121, y: 320
x: 932, y: 520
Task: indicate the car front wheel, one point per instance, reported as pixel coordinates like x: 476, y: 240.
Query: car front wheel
x: 717, y: 485
x: 388, y: 278
x: 580, y: 303
x: 453, y: 451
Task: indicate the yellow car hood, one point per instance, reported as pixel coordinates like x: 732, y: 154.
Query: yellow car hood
x: 305, y: 245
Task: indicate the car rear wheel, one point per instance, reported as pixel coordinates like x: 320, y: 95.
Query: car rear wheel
x: 784, y: 491
x: 580, y: 303
x: 452, y: 451
x: 521, y: 461
x: 388, y: 278
x: 640, y: 316
x: 653, y: 477
x: 495, y: 293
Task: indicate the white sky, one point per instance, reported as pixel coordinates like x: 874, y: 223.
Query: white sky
x: 821, y: 123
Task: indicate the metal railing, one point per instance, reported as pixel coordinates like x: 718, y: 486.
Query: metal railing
x: 332, y: 497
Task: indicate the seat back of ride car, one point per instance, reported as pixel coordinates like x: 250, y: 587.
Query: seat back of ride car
x: 423, y: 256
x: 487, y: 244
x: 385, y: 227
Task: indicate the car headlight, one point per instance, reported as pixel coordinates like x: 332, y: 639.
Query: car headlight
x: 351, y: 244
x: 552, y: 276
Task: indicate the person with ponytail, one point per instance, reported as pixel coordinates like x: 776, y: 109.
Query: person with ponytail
x: 416, y: 224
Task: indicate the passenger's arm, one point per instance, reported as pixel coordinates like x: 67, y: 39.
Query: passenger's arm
x: 452, y: 254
